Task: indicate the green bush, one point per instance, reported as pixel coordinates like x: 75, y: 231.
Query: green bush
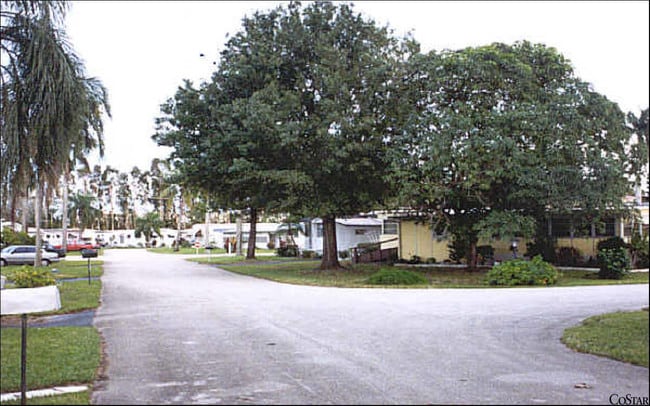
x: 308, y: 254
x: 287, y: 251
x: 568, y: 256
x: 614, y: 263
x: 639, y: 250
x: 11, y: 237
x: 485, y: 253
x: 542, y: 245
x: 30, y: 277
x: 396, y: 277
x: 344, y: 254
x: 430, y: 260
x: 523, y: 272
x: 611, y: 243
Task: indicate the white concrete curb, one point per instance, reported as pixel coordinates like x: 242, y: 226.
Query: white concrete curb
x: 57, y: 390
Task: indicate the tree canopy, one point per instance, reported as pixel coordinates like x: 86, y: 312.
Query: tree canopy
x: 507, y: 129
x: 297, y: 117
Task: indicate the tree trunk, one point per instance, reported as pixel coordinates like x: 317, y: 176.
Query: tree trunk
x: 330, y: 255
x: 38, y: 207
x: 66, y: 174
x: 238, y: 239
x: 25, y: 210
x: 252, y: 235
x: 14, y: 203
x: 472, y: 255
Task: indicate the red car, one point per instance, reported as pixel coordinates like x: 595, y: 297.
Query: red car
x: 79, y: 245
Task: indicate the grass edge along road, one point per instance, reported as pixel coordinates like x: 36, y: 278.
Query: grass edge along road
x: 622, y: 336
x: 74, y: 351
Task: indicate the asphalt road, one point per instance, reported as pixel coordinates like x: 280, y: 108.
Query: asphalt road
x: 183, y: 333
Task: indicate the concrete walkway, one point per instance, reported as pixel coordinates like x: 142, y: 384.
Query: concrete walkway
x: 58, y: 390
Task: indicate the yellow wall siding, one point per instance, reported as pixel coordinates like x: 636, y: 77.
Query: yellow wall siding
x: 416, y: 239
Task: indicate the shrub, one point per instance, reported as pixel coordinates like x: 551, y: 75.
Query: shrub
x: 344, y: 254
x: 30, y: 277
x: 522, y: 272
x: 287, y: 251
x: 486, y: 254
x: 568, y: 256
x: 614, y: 263
x: 430, y: 260
x: 396, y: 277
x: 308, y: 254
x: 11, y: 237
x: 611, y: 243
x: 544, y: 246
x: 414, y: 260
x: 639, y: 250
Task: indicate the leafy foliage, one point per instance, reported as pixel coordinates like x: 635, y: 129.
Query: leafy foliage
x: 287, y: 251
x: 148, y: 225
x: 522, y: 272
x: 396, y: 277
x: 31, y: 277
x: 614, y: 263
x: 503, y: 133
x: 611, y: 243
x: 568, y: 256
x: 11, y: 237
x: 297, y: 117
x: 639, y: 250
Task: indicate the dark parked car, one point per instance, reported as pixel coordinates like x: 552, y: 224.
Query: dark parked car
x: 50, y: 248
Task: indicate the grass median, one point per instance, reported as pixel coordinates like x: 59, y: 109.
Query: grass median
x: 56, y: 356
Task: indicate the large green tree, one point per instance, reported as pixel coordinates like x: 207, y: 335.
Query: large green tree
x: 344, y: 67
x: 302, y: 104
x: 507, y: 133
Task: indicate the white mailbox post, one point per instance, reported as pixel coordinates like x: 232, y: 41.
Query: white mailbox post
x: 22, y: 301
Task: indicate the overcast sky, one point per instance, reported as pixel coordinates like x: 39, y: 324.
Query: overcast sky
x: 142, y: 51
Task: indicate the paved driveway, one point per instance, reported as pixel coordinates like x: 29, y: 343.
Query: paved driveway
x: 183, y: 333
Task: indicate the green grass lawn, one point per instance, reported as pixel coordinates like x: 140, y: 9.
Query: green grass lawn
x: 56, y: 356
x: 305, y: 272
x: 622, y: 336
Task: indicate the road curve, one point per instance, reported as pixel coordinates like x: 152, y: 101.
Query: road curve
x: 183, y: 333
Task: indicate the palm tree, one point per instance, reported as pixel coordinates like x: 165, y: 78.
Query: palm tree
x: 49, y: 107
x: 147, y: 225
x: 83, y: 211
